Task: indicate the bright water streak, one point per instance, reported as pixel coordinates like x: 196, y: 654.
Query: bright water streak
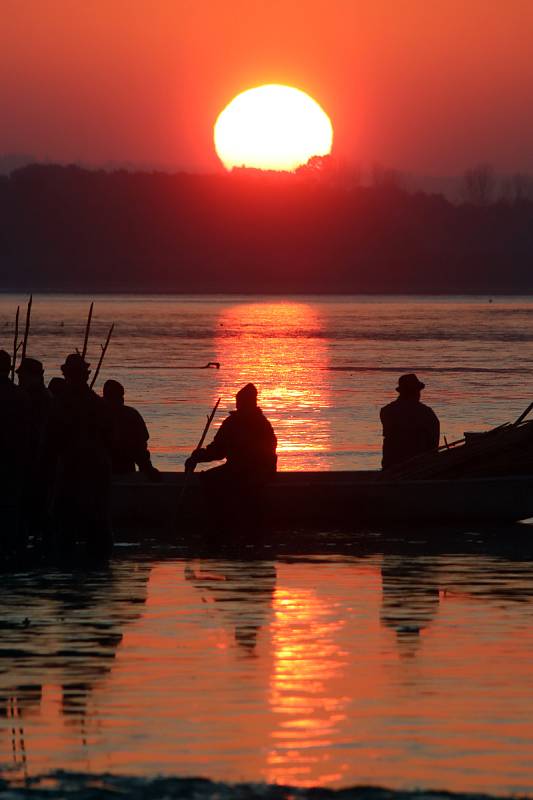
x: 403, y: 670
x: 324, y: 366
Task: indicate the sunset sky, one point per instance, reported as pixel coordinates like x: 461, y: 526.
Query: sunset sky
x: 429, y: 87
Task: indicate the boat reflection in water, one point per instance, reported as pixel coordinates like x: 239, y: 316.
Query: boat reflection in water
x: 269, y: 344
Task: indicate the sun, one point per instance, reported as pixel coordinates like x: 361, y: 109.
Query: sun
x: 272, y: 127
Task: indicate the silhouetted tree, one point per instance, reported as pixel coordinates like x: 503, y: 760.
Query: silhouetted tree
x: 383, y: 177
x: 479, y: 185
x: 518, y: 188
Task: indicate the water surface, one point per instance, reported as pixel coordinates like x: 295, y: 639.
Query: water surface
x: 372, y: 662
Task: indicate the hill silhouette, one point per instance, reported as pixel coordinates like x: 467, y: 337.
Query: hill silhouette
x: 73, y: 229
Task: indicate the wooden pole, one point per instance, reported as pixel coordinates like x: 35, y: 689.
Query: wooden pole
x: 103, y: 348
x: 87, y: 331
x: 26, y: 328
x: 15, y: 345
x: 523, y: 415
x: 188, y: 472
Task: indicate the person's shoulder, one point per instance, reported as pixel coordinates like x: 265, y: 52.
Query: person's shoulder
x: 428, y: 410
x: 131, y: 413
x: 389, y: 407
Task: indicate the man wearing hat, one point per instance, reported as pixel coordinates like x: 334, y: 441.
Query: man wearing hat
x: 248, y: 443
x: 409, y: 427
x: 31, y: 381
x: 78, y: 445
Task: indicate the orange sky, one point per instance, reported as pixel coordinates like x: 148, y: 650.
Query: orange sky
x: 430, y: 87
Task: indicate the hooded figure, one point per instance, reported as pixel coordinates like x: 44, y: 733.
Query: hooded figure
x: 410, y: 428
x: 245, y: 439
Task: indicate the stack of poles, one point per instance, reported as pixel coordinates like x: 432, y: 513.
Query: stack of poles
x: 505, y: 449
x: 24, y: 343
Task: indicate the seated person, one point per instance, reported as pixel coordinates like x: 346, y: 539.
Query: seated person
x: 246, y: 440
x: 409, y: 427
x: 129, y: 435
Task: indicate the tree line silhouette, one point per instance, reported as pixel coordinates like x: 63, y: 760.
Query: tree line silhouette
x: 67, y: 228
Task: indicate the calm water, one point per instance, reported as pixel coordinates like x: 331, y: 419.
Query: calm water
x: 324, y: 367
x: 404, y: 669
x: 401, y: 660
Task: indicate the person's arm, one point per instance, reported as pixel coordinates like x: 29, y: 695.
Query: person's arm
x: 215, y: 451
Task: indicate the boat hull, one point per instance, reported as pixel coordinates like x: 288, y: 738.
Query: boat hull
x: 347, y: 498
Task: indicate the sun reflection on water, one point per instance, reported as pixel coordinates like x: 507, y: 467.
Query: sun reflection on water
x: 263, y: 343
x: 308, y: 662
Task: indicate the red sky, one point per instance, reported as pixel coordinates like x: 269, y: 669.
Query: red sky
x: 430, y: 87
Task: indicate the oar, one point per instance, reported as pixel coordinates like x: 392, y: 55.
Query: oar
x: 188, y: 472
x: 103, y: 348
x: 15, y: 345
x: 26, y: 329
x: 87, y: 331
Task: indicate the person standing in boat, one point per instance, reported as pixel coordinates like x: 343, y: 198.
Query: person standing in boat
x: 247, y: 441
x: 78, y: 445
x: 31, y: 381
x: 129, y: 435
x: 14, y: 437
x: 410, y: 428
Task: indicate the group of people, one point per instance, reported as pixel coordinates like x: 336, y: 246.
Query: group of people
x: 62, y: 443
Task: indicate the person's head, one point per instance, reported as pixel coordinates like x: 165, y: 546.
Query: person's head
x: 409, y: 386
x: 5, y: 363
x: 57, y: 386
x: 246, y: 398
x: 113, y: 393
x: 30, y: 373
x: 75, y: 369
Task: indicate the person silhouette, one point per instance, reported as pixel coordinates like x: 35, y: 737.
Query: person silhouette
x: 409, y: 427
x: 247, y: 441
x: 129, y: 435
x: 78, y: 445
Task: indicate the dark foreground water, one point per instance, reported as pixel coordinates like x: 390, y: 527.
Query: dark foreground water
x: 401, y: 660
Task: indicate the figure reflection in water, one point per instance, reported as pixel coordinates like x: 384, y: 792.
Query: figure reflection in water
x: 242, y: 592
x: 247, y: 441
x: 69, y: 627
x: 410, y: 599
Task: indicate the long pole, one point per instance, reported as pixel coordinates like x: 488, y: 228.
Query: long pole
x: 188, y: 472
x: 15, y: 345
x: 26, y: 328
x: 523, y: 415
x: 103, y: 348
x: 87, y: 331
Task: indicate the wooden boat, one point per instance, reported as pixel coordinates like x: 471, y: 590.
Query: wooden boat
x: 347, y: 498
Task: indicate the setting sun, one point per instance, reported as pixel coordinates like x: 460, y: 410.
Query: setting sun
x: 272, y: 127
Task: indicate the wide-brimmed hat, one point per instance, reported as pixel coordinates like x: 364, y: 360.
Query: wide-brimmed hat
x: 74, y: 363
x: 409, y: 383
x: 30, y: 366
